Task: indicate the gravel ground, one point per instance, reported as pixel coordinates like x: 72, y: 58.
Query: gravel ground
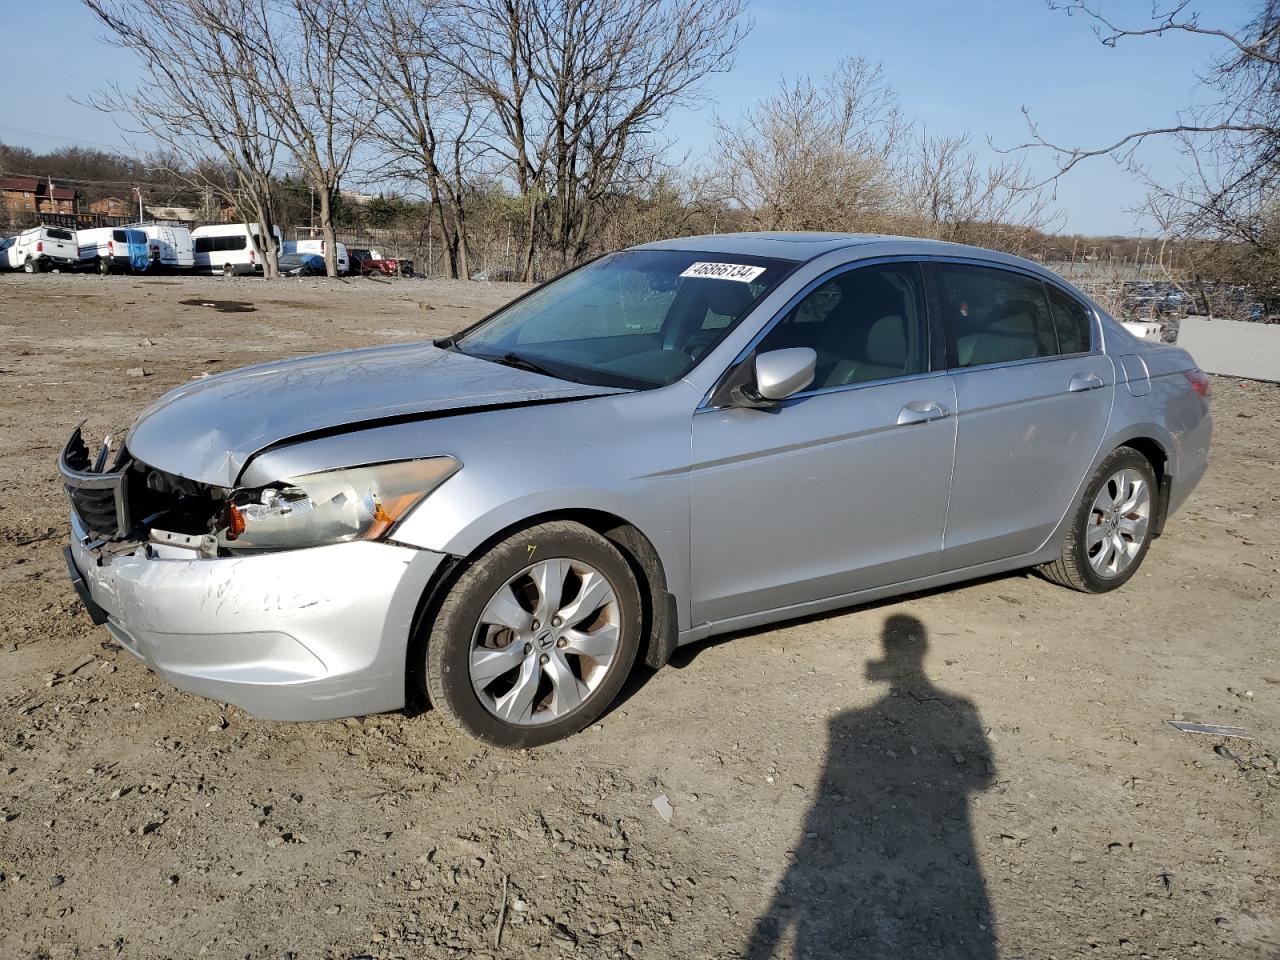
x: 976, y: 772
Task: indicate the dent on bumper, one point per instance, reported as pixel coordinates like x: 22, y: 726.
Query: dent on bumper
x: 309, y: 634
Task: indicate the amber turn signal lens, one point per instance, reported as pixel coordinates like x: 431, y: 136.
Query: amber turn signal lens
x: 235, y: 521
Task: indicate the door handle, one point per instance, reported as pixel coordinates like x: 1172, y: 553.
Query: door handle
x: 1084, y: 381
x: 922, y: 411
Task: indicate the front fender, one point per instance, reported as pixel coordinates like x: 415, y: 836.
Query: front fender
x: 460, y: 518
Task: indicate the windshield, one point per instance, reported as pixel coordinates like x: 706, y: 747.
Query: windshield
x: 638, y: 318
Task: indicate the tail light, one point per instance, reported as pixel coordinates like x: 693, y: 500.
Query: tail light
x: 111, y: 248
x: 39, y: 246
x: 1199, y: 381
x: 253, y: 256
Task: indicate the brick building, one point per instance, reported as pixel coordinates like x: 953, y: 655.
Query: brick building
x: 30, y: 195
x: 112, y: 207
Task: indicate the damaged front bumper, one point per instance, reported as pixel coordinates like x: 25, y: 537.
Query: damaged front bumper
x: 312, y: 634
x: 307, y: 634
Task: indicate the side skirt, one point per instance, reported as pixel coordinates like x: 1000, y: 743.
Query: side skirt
x: 1050, y: 551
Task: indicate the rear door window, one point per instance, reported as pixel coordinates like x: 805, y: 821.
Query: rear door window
x: 993, y: 315
x: 119, y: 236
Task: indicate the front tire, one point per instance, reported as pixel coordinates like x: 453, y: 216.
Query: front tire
x: 1111, y: 530
x: 536, y: 638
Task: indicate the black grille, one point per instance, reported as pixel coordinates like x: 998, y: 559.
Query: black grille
x: 97, y: 497
x: 97, y: 510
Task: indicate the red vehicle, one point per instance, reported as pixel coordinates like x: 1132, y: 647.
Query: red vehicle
x: 386, y: 266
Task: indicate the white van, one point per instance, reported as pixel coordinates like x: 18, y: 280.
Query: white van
x: 170, y: 244
x: 226, y: 248
x: 114, y: 249
x: 42, y: 248
x: 317, y: 247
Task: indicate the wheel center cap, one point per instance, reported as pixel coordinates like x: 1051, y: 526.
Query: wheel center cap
x: 545, y: 640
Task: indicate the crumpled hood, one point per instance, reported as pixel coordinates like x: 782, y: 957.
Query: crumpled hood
x: 207, y: 430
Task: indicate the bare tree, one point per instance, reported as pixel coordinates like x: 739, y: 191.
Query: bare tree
x: 949, y: 195
x: 427, y: 119
x: 305, y: 85
x: 816, y: 156
x: 1231, y: 144
x: 200, y: 98
x: 579, y: 90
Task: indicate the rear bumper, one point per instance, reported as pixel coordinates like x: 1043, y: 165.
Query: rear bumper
x: 310, y: 634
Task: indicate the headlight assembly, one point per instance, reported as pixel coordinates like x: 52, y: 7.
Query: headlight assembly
x: 336, y: 506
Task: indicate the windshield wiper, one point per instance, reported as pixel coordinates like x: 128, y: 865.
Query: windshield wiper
x: 524, y: 363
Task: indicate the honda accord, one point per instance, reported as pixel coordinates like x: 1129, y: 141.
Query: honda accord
x: 674, y: 441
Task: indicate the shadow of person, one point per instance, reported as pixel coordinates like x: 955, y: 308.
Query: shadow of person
x: 887, y: 866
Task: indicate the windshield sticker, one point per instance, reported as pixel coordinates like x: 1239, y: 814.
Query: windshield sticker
x: 742, y: 272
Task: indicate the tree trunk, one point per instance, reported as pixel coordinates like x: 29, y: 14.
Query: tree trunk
x: 264, y: 241
x: 460, y: 226
x: 329, y: 234
x: 530, y: 241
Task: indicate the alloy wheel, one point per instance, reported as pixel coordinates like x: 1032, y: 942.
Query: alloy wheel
x: 1118, y: 523
x: 545, y: 641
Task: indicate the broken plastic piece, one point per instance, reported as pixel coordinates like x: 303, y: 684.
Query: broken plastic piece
x: 1212, y: 729
x: 663, y: 806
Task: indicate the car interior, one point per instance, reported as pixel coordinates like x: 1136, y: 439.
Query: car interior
x: 865, y: 325
x: 996, y: 317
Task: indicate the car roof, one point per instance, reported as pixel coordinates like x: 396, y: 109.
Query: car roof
x: 803, y: 246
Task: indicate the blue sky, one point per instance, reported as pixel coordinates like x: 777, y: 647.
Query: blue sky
x: 959, y: 67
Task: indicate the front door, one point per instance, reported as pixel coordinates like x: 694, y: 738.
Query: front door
x: 1034, y: 396
x: 842, y: 487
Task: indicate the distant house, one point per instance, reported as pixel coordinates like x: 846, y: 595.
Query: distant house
x: 30, y: 195
x: 173, y: 213
x: 359, y: 199
x: 112, y: 207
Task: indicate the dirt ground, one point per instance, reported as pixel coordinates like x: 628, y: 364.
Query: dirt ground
x: 1001, y: 783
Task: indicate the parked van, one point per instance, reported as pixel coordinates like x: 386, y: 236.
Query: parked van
x: 114, y: 249
x: 226, y: 248
x: 317, y: 246
x: 42, y: 248
x: 170, y: 244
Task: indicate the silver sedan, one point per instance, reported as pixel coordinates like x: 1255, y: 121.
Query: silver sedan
x: 674, y: 441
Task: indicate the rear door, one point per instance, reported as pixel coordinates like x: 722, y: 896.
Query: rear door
x: 61, y: 243
x: 180, y: 240
x: 1033, y: 394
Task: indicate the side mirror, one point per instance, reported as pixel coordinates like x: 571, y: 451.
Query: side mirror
x: 784, y: 373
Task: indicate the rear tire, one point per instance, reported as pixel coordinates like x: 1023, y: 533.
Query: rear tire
x: 1111, y: 528
x: 104, y: 267
x: 31, y: 266
x: 465, y: 630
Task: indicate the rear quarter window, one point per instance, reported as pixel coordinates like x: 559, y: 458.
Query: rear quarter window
x: 1071, y: 319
